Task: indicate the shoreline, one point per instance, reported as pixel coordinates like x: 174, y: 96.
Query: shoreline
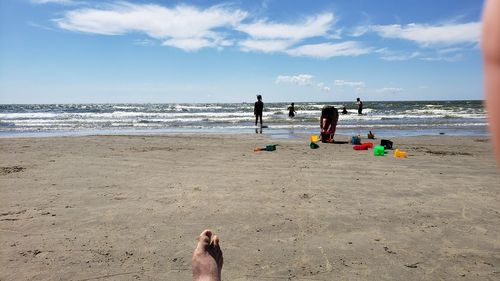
x: 83, y: 208
x: 276, y: 133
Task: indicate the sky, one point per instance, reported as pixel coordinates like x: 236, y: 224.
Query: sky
x: 84, y: 51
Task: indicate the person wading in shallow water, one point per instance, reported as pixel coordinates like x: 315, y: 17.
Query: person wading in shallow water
x: 344, y: 110
x: 291, y: 110
x: 258, y: 109
x: 360, y: 106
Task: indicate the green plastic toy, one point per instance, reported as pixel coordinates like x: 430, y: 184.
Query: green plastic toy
x: 378, y: 150
x: 313, y: 145
x: 269, y: 147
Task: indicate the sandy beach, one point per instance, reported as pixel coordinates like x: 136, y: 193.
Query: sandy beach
x: 130, y: 207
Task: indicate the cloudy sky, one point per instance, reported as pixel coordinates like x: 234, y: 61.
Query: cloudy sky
x: 73, y: 51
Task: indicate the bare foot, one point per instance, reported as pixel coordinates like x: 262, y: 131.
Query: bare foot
x: 207, y: 258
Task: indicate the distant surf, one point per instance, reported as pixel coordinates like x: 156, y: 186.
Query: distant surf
x: 405, y: 118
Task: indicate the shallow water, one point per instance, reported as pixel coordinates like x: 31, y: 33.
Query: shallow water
x: 382, y: 118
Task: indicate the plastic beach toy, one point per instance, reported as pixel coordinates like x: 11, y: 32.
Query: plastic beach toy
x: 313, y: 145
x: 363, y: 146
x: 387, y: 144
x: 368, y: 144
x: 400, y: 154
x: 269, y: 147
x: 313, y: 138
x: 355, y: 140
x: 378, y: 150
x: 360, y: 147
x: 371, y: 135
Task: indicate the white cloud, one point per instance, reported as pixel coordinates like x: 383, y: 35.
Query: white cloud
x: 143, y: 42
x: 449, y: 50
x: 389, y: 90
x: 358, y: 86
x: 329, y: 50
x: 36, y: 25
x: 446, y: 54
x: 396, y: 56
x: 335, y: 35
x: 427, y: 35
x: 322, y: 87
x: 278, y: 37
x: 355, y: 84
x: 183, y: 26
x: 450, y: 58
x: 191, y: 28
x: 311, y: 27
x: 359, y: 31
x: 301, y: 79
x: 266, y: 46
x: 189, y: 44
x: 400, y: 57
x: 53, y: 1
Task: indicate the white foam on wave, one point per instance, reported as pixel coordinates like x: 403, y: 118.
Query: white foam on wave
x: 202, y: 116
x: 30, y: 115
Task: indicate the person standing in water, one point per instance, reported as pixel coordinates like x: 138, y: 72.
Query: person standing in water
x: 258, y: 109
x: 291, y: 110
x: 360, y: 106
x: 344, y: 110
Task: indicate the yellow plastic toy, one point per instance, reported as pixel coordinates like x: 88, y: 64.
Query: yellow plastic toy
x: 400, y: 154
x: 314, y: 138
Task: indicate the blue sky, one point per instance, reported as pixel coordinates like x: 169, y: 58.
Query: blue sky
x: 79, y: 51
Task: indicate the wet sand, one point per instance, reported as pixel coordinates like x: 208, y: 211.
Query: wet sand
x: 130, y: 207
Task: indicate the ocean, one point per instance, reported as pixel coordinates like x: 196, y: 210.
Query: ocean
x: 384, y: 118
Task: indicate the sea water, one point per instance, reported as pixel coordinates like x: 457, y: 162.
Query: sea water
x: 384, y: 118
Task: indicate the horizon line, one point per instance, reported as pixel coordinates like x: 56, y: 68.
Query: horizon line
x: 243, y: 102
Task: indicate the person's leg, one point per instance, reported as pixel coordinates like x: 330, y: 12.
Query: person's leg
x: 256, y: 119
x: 326, y: 127
x: 260, y: 116
x: 333, y: 125
x: 207, y: 258
x: 490, y: 44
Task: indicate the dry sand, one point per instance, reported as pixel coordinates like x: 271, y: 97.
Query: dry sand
x: 129, y: 208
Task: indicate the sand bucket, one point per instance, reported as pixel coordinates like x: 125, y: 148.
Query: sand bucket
x: 314, y: 138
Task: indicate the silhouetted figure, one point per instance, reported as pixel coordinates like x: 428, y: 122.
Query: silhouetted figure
x: 257, y: 110
x: 328, y: 123
x: 344, y: 110
x: 291, y: 110
x: 360, y: 106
